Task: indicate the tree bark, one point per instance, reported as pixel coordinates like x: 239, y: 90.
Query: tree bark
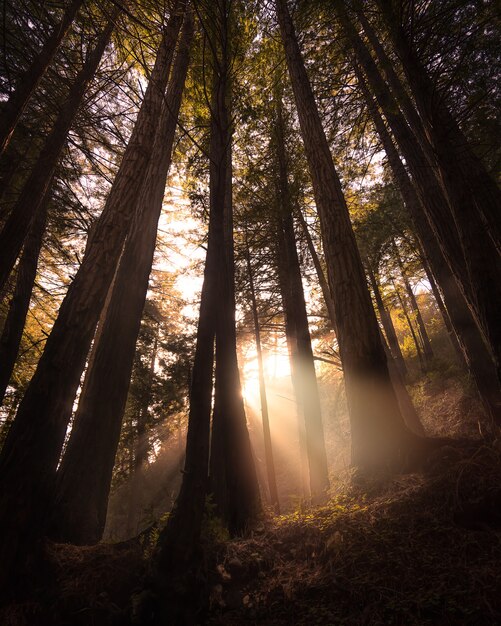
x: 85, y: 473
x: 31, y: 452
x: 15, y: 105
x: 378, y: 431
x: 34, y: 189
x: 465, y: 177
x: 474, y: 350
x: 441, y: 307
x: 268, y: 448
x: 471, y: 256
x: 12, y: 332
x: 302, y: 355
x: 425, y: 340
x: 410, y: 325
x: 232, y: 470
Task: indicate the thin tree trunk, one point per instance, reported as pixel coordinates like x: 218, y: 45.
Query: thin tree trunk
x: 410, y: 325
x: 387, y: 323
x: 141, y: 449
x: 268, y: 449
x: 15, y: 105
x: 232, y: 470
x: 142, y: 445
x: 302, y: 355
x: 85, y: 473
x: 409, y: 412
x: 441, y: 307
x: 34, y: 189
x: 378, y: 431
x: 322, y: 280
x: 12, y: 332
x: 290, y: 335
x: 425, y: 340
x: 474, y: 351
x: 36, y: 437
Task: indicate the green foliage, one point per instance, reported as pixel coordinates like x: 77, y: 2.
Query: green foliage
x: 213, y: 528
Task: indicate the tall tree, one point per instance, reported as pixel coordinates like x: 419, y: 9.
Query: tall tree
x: 15, y: 105
x: 12, y: 331
x: 268, y: 449
x: 473, y: 261
x: 387, y: 323
x: 38, y: 431
x: 233, y: 478
x: 34, y: 189
x: 303, y: 365
x: 464, y: 175
x: 378, y: 432
x: 466, y: 330
x: 84, y: 476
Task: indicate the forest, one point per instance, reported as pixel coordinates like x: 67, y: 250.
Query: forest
x: 250, y: 312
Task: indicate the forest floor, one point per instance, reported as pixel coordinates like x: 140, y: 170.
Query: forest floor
x: 420, y: 549
x: 415, y: 549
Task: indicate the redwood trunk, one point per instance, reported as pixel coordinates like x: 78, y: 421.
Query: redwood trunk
x: 472, y: 257
x: 465, y: 328
x: 233, y: 476
x: 378, y: 431
x: 31, y: 452
x: 387, y: 323
x: 85, y: 473
x: 464, y: 175
x: 425, y: 340
x: 302, y: 354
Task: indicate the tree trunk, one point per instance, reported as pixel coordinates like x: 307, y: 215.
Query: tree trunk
x: 378, y: 431
x: 387, y: 323
x: 141, y: 450
x: 404, y: 101
x: 441, y: 307
x: 466, y: 330
x: 268, y: 449
x: 15, y: 105
x: 34, y: 189
x: 85, y: 473
x: 472, y: 258
x: 302, y: 355
x: 464, y: 175
x: 18, y: 308
x: 409, y: 413
x: 425, y: 340
x: 324, y: 285
x: 232, y: 471
x: 410, y: 325
x: 31, y: 452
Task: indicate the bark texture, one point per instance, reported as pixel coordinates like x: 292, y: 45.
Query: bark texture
x: 473, y: 348
x: 378, y: 432
x: 303, y: 365
x: 84, y: 476
x: 36, y: 437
